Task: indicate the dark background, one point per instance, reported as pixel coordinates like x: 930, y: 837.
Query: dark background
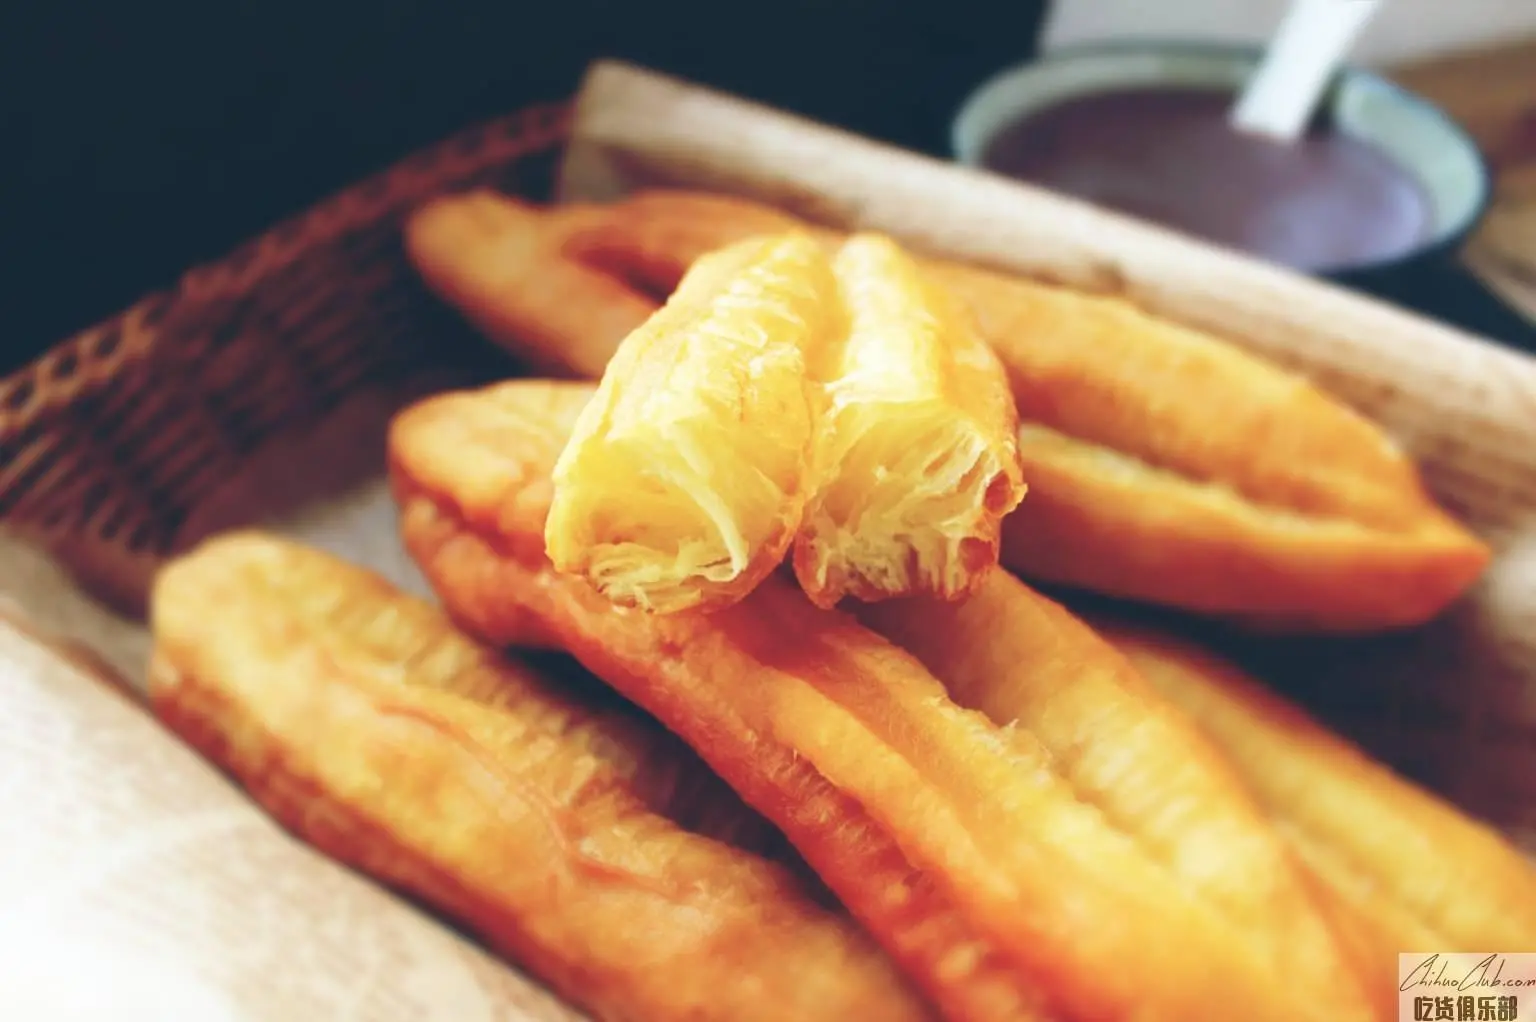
x: 142, y: 137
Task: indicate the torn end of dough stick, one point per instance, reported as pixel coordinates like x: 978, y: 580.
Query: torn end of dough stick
x: 366, y: 724
x: 1413, y: 872
x: 687, y: 475
x: 918, y: 452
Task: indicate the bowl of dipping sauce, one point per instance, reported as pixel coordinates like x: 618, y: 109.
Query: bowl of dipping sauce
x: 1381, y: 179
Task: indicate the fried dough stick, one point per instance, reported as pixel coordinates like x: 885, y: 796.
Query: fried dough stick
x: 688, y: 473
x: 1165, y: 464
x: 918, y: 457
x: 371, y: 728
x: 933, y: 825
x: 1413, y: 871
x: 1080, y: 708
x: 1178, y: 469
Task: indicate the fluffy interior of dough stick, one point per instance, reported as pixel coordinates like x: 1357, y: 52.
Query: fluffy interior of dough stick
x: 688, y: 473
x: 917, y: 447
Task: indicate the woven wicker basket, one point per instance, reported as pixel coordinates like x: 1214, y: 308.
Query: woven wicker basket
x: 110, y: 440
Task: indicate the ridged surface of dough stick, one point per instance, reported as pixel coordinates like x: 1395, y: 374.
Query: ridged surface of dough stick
x: 1121, y: 747
x: 1415, y: 872
x: 372, y: 728
x: 918, y: 450
x: 687, y: 475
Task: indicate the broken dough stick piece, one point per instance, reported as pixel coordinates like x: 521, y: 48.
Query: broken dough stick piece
x: 688, y: 473
x: 919, y: 451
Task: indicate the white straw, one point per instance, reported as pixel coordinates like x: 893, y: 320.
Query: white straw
x: 1312, y: 41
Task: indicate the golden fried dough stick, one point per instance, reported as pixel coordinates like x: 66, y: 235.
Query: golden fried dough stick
x: 1080, y: 710
x: 364, y: 723
x: 1413, y: 871
x: 918, y: 453
x: 1165, y: 465
x: 688, y: 473
x: 930, y: 822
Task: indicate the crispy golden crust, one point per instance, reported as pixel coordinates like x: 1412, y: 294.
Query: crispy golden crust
x: 1410, y: 871
x: 1176, y: 468
x: 688, y: 473
x: 372, y: 729
x: 1078, y: 710
x: 1165, y: 465
x: 1100, y: 521
x: 930, y: 821
x: 918, y: 451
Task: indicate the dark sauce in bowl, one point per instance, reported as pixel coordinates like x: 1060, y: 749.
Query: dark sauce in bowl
x: 1324, y: 202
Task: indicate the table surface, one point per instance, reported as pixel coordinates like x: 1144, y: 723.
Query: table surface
x: 1493, y: 93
